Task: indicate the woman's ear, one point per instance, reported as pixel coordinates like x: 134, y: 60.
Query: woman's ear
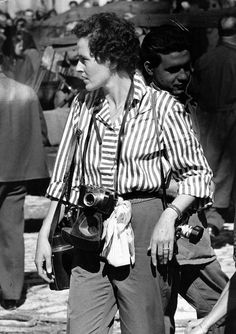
x: 148, y: 68
x: 113, y: 66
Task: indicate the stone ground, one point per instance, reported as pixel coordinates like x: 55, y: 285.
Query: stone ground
x: 44, y: 311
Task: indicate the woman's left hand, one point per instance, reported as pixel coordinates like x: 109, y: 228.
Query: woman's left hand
x: 196, y: 327
x: 162, y: 239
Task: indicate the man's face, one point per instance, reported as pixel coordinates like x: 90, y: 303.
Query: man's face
x: 173, y: 73
x: 94, y: 74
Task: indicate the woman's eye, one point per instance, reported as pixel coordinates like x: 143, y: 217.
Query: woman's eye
x: 82, y: 60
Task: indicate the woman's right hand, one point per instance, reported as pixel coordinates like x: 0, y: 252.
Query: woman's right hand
x: 43, y: 257
x: 43, y: 253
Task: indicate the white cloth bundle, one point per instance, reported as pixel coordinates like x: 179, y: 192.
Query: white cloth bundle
x: 119, y: 236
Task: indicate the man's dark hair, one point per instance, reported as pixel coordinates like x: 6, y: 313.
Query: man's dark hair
x: 22, y: 21
x: 111, y: 38
x: 73, y: 3
x: 164, y: 39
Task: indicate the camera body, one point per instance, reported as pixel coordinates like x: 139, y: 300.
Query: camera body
x: 193, y: 233
x: 95, y: 204
x: 97, y: 198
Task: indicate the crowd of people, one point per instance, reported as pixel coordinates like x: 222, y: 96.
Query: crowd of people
x: 150, y: 116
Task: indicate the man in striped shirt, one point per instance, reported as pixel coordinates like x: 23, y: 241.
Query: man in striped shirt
x: 167, y: 64
x: 124, y: 125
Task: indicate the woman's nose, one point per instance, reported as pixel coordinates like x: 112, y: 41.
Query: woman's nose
x: 79, y: 67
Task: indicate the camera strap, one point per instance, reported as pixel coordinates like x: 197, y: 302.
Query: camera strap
x: 82, y: 179
x: 66, y: 185
x: 122, y: 132
x: 163, y: 183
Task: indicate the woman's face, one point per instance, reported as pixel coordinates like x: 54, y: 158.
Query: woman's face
x: 94, y: 74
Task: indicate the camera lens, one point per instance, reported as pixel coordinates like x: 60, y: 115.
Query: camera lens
x: 196, y: 234
x: 89, y: 199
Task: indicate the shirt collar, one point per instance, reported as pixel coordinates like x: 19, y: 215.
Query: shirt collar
x: 139, y: 89
x: 184, y: 98
x: 153, y: 85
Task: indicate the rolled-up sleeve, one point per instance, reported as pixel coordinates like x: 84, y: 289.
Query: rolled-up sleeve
x: 185, y: 155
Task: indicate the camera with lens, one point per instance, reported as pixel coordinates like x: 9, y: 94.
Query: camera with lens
x: 193, y: 233
x: 95, y: 205
x: 97, y: 198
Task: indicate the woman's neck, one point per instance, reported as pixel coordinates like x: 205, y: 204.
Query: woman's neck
x: 116, y: 94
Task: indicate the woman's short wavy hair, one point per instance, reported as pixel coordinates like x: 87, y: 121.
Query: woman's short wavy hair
x: 111, y: 38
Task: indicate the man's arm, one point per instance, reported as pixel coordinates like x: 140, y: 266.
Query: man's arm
x: 201, y: 326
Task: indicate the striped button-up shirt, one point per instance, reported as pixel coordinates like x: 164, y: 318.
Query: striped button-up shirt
x: 139, y: 163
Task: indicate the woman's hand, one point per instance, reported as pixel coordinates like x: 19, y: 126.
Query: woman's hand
x: 43, y: 257
x: 196, y: 327
x: 162, y: 239
x: 43, y: 251
x: 163, y: 236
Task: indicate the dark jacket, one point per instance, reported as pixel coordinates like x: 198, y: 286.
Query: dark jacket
x: 21, y: 141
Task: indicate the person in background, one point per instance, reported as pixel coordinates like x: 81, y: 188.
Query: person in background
x: 122, y: 154
x: 214, y: 87
x: 16, y: 64
x: 41, y: 12
x: 166, y: 61
x: 51, y: 13
x: 19, y: 53
x: 73, y: 4
x: 29, y: 17
x: 224, y: 308
x: 20, y: 24
x: 71, y: 82
x: 6, y: 24
x: 22, y: 160
x: 29, y: 49
x: 220, y: 310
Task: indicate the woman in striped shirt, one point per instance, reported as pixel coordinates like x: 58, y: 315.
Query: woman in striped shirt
x: 117, y: 125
